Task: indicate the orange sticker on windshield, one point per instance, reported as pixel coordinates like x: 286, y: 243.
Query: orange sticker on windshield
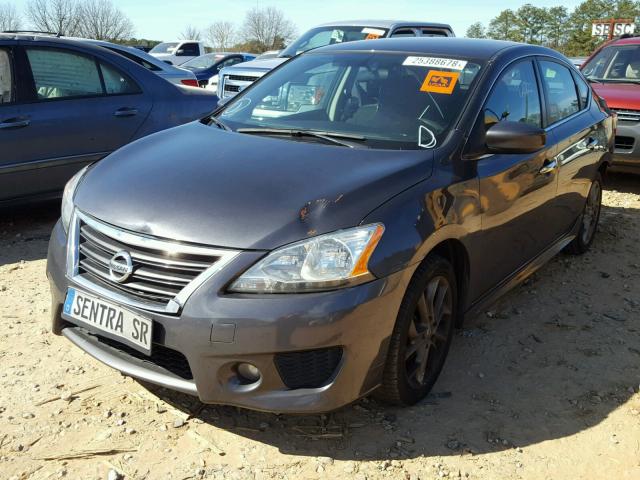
x: 372, y: 36
x: 440, y: 82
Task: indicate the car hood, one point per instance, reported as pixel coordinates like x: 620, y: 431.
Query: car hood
x: 200, y: 184
x: 263, y: 65
x: 624, y: 96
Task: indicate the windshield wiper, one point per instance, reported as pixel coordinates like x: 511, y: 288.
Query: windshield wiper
x: 218, y: 123
x: 333, y: 137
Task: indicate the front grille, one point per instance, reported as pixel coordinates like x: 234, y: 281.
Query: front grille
x: 624, y: 143
x: 233, y: 84
x: 165, y: 357
x: 156, y: 276
x: 308, y: 369
x: 628, y: 115
x: 164, y: 274
x: 242, y: 78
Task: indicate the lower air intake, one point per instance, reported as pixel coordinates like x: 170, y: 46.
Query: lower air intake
x: 308, y: 369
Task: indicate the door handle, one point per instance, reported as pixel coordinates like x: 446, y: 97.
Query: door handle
x: 125, y: 112
x: 14, y: 123
x: 549, y: 167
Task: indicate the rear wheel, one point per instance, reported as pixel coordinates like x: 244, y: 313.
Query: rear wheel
x: 422, y: 335
x: 589, y: 219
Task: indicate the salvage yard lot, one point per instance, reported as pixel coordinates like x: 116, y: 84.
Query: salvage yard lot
x: 543, y: 385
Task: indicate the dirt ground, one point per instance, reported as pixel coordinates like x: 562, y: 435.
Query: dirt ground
x: 544, y: 385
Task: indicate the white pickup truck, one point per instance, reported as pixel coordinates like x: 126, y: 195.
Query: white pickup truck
x: 177, y: 53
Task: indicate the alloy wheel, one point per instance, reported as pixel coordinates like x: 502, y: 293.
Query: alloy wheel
x: 591, y: 212
x: 427, y: 336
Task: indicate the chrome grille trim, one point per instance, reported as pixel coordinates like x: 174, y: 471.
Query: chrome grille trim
x: 627, y: 115
x: 231, y: 84
x: 152, y: 297
x: 141, y: 257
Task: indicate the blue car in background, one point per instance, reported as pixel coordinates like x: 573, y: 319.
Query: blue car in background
x: 206, y: 67
x: 65, y: 104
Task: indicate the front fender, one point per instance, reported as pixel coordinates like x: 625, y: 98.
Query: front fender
x: 421, y: 218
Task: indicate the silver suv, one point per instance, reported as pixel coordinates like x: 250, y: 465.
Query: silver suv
x: 238, y: 77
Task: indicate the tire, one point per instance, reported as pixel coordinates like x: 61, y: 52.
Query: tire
x: 414, y: 337
x: 588, y: 219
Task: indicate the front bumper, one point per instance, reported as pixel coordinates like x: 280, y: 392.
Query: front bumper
x: 626, y: 157
x: 215, y: 331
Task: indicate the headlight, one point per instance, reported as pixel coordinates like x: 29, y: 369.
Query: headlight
x: 67, y: 197
x: 322, y: 263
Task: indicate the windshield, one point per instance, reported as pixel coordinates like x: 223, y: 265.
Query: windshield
x: 388, y: 100
x: 322, y: 36
x: 203, y: 61
x: 615, y: 64
x: 168, y: 47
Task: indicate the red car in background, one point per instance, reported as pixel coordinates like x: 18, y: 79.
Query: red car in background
x: 614, y: 73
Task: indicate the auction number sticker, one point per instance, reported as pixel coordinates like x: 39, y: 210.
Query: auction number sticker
x: 431, y: 62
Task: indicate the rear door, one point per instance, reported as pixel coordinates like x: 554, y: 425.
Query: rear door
x: 580, y: 142
x: 79, y: 109
x: 517, y: 190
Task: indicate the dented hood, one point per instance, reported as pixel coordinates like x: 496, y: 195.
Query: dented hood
x: 199, y: 184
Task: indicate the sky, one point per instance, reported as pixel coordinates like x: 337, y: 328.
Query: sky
x: 164, y: 20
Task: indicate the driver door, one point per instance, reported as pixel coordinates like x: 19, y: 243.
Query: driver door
x: 517, y: 191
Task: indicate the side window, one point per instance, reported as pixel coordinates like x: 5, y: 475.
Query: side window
x: 117, y: 83
x: 403, y: 32
x: 231, y: 61
x: 434, y: 32
x: 63, y: 74
x: 562, y: 98
x: 515, y: 97
x: 583, y: 91
x: 189, y: 50
x: 6, y: 78
x: 322, y: 38
x: 134, y: 58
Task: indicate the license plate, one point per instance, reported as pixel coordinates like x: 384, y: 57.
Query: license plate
x: 111, y: 320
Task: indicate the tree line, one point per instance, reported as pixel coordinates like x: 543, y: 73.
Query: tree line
x: 263, y: 29
x: 99, y: 19
x: 555, y: 27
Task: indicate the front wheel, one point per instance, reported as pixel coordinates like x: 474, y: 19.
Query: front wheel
x: 422, y: 335
x: 589, y: 219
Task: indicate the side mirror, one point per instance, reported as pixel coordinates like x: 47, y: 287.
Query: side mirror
x: 179, y: 52
x: 515, y: 137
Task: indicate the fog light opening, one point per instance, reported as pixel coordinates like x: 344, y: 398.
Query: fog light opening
x: 247, y: 373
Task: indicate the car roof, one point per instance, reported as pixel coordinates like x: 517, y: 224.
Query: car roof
x: 384, y: 24
x: 459, y: 47
x: 625, y: 41
x: 51, y: 38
